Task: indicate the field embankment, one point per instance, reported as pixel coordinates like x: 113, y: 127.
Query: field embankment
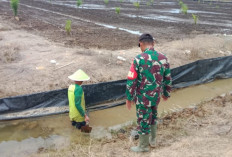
x: 204, y: 131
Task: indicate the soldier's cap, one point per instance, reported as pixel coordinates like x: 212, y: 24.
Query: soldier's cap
x: 145, y: 38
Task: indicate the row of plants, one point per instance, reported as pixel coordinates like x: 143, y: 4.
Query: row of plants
x: 183, y: 9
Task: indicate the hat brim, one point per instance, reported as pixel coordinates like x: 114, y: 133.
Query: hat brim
x: 73, y: 79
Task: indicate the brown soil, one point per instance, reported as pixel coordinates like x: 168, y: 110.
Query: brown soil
x: 28, y: 45
x: 47, y: 18
x: 205, y: 130
x: 25, y: 59
x: 9, y: 54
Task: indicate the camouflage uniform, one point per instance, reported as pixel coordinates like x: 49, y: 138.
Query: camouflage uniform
x: 148, y: 79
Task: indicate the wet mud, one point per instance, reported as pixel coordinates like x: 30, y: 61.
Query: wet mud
x: 55, y: 132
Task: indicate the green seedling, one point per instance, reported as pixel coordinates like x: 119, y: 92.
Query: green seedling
x: 121, y: 1
x: 184, y: 9
x: 68, y: 26
x: 136, y: 4
x: 217, y: 7
x: 79, y: 3
x: 117, y: 10
x: 148, y: 3
x: 106, y: 2
x: 14, y: 5
x: 195, y: 18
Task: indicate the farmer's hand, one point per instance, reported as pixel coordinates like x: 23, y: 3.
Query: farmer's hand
x: 128, y: 104
x: 86, y: 118
x: 165, y: 98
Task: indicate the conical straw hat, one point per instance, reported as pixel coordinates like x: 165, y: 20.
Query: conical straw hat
x: 79, y: 75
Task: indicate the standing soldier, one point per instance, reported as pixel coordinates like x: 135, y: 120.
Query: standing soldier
x: 149, y: 78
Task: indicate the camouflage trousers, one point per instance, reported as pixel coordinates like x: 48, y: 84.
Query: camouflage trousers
x: 146, y: 116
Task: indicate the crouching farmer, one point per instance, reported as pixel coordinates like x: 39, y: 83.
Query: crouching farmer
x: 76, y: 99
x: 149, y: 78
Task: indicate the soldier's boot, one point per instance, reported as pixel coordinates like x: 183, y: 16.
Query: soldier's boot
x: 143, y: 144
x: 152, y: 139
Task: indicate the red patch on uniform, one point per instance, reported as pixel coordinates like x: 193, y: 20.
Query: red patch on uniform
x: 132, y: 73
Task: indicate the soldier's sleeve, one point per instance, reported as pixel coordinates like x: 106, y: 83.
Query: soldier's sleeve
x: 167, y: 82
x: 132, y: 81
x: 78, y: 95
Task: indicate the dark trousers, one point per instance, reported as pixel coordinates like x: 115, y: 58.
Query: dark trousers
x: 78, y: 125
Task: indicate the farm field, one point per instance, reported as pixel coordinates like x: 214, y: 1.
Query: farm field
x: 99, y: 36
x: 37, y: 54
x: 96, y: 20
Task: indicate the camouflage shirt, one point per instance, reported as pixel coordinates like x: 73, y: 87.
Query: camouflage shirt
x: 148, y: 78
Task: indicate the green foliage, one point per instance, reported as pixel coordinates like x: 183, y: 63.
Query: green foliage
x: 68, y: 26
x: 121, y: 1
x: 79, y: 3
x: 217, y: 7
x: 106, y: 2
x: 184, y: 9
x: 14, y: 5
x: 195, y: 18
x: 199, y: 1
x: 136, y: 4
x: 117, y: 10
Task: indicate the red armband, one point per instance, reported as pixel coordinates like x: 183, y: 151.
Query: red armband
x: 132, y: 73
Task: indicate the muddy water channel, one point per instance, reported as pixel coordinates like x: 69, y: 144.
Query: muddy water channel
x: 24, y: 137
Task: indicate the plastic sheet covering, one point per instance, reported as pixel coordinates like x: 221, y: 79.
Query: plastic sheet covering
x: 109, y: 94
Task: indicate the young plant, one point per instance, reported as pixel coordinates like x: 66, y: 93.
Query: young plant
x: 106, y: 2
x: 148, y: 3
x: 117, y: 10
x: 195, y: 18
x: 14, y: 5
x: 184, y: 9
x: 68, y: 26
x: 137, y: 5
x: 121, y: 1
x: 79, y: 3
